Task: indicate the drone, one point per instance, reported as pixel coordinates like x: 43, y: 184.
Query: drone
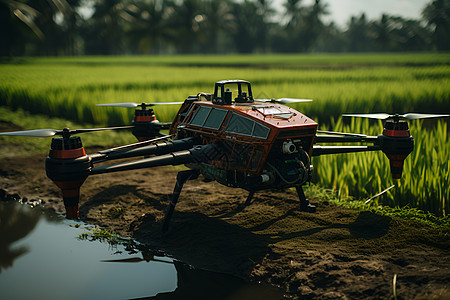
x: 227, y: 136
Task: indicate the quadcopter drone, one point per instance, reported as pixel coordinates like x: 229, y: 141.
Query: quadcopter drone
x: 228, y: 137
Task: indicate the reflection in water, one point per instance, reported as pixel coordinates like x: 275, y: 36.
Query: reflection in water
x: 200, y: 284
x: 42, y: 253
x: 16, y: 222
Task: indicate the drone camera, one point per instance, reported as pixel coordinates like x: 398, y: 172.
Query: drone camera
x: 289, y: 147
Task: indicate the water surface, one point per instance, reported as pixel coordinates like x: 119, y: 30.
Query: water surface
x: 41, y: 257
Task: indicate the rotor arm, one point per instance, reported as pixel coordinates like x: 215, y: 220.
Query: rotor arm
x: 145, y: 149
x: 340, y: 137
x: 323, y: 150
x: 176, y: 158
x: 347, y: 138
x: 195, y: 154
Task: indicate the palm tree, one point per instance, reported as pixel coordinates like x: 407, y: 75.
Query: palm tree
x: 104, y: 32
x: 185, y: 24
x: 437, y: 14
x: 294, y: 12
x: 313, y: 25
x: 151, y: 30
x: 358, y: 34
x: 24, y: 22
x: 217, y: 25
x: 247, y: 23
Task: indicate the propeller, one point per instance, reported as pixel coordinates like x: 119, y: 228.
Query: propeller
x: 341, y: 133
x: 396, y: 117
x: 133, y: 105
x: 66, y: 132
x: 284, y: 100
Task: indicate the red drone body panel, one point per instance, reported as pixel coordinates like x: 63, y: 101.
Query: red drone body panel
x: 280, y: 122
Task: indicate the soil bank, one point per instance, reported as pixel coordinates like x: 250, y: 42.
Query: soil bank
x: 335, y: 253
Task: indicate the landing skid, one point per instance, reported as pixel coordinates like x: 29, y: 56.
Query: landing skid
x: 304, y: 204
x: 182, y: 178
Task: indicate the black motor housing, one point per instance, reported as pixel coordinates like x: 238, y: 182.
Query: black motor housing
x: 397, y: 144
x: 68, y: 166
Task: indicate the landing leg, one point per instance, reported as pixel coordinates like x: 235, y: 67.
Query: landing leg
x: 304, y: 204
x: 249, y: 198
x: 182, y: 177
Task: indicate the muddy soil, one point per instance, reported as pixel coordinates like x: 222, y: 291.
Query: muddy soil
x: 335, y: 253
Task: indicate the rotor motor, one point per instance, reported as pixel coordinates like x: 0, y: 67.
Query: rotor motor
x: 143, y: 129
x: 68, y: 166
x: 397, y: 144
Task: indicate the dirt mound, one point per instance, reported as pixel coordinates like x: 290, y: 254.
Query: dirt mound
x: 334, y: 253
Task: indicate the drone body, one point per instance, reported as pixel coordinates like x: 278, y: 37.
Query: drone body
x: 240, y: 142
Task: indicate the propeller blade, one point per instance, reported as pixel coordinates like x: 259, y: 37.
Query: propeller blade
x: 379, y: 116
x: 415, y: 116
x: 125, y: 104
x: 163, y: 103
x: 132, y: 104
x: 284, y: 100
x: 52, y: 132
x: 408, y: 116
x: 341, y: 133
x: 76, y: 131
x: 292, y: 100
x: 33, y: 133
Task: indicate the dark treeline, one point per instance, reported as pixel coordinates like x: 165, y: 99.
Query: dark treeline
x: 77, y: 27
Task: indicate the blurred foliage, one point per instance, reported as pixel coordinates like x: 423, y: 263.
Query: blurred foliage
x: 77, y: 27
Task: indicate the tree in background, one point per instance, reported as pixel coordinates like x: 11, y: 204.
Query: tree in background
x: 312, y: 25
x: 358, y: 34
x: 15, y: 23
x: 247, y: 26
x: 151, y: 30
x: 62, y: 27
x: 217, y: 24
x: 437, y: 14
x: 31, y: 25
x: 103, y: 33
x: 287, y: 40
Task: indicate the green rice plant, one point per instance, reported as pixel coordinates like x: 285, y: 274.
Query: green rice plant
x: 70, y: 87
x: 315, y: 191
x: 426, y: 172
x: 341, y: 60
x: 22, y: 120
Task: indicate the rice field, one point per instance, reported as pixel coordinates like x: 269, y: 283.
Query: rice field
x: 426, y: 171
x: 70, y: 87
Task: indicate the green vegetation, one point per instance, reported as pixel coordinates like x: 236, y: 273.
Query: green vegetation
x: 68, y: 89
x: 115, y: 212
x: 332, y: 196
x: 426, y: 171
x: 102, y: 235
x: 56, y: 27
x: 22, y: 120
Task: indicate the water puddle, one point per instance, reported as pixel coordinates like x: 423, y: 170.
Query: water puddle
x: 43, y: 257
